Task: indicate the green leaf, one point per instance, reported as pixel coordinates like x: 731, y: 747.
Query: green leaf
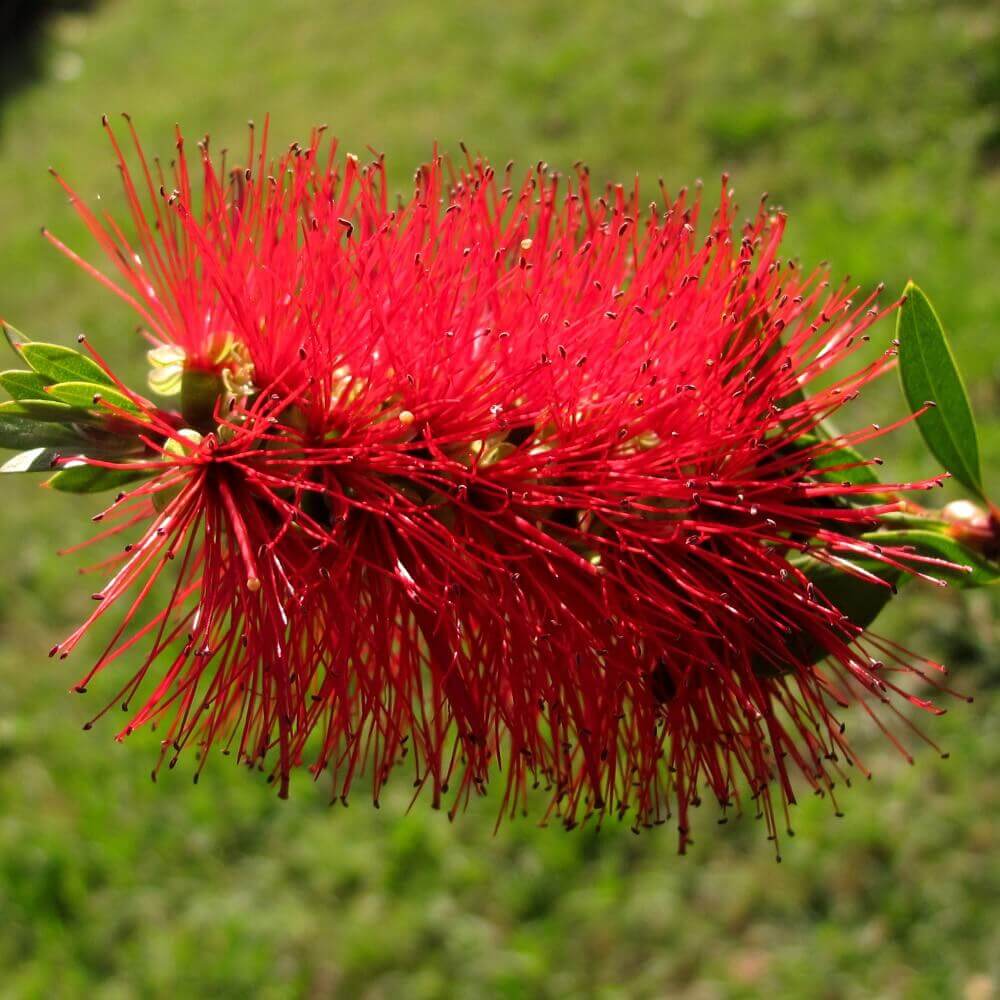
x: 978, y: 570
x: 43, y: 409
x: 62, y: 364
x: 24, y: 385
x: 87, y: 395
x: 897, y: 519
x: 929, y: 373
x: 862, y: 601
x: 85, y: 478
x: 830, y: 464
x: 34, y: 460
x: 860, y: 472
x: 15, y: 338
x: 19, y: 432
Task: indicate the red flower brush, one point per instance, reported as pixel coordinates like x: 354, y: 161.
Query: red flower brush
x: 506, y: 479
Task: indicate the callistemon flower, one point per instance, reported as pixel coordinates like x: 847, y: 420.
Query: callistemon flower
x: 510, y: 479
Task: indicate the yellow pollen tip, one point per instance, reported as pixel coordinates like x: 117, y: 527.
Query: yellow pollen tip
x: 253, y: 584
x: 406, y: 417
x: 526, y: 245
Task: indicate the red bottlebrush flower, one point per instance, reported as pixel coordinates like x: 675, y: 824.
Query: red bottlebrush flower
x: 504, y: 478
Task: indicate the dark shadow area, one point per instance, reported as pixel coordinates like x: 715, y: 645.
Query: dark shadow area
x: 22, y: 34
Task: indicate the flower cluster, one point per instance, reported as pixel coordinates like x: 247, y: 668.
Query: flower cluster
x: 512, y: 477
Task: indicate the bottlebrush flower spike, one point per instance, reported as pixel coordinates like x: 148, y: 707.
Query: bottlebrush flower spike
x: 504, y: 479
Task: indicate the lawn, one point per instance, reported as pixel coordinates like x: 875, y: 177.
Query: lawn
x: 876, y: 125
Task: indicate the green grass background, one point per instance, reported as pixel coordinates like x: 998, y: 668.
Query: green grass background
x: 876, y: 125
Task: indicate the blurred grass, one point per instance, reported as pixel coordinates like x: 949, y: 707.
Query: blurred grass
x: 877, y: 126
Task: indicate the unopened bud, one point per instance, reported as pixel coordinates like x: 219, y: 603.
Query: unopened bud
x: 199, y: 392
x: 186, y: 442
x: 964, y: 512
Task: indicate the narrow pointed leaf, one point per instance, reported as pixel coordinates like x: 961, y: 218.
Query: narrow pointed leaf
x: 87, y: 395
x: 62, y: 364
x: 842, y: 464
x: 970, y: 568
x: 862, y: 601
x: 899, y: 519
x: 929, y: 373
x: 19, y: 432
x: 15, y: 338
x: 92, y: 478
x: 33, y: 460
x: 23, y: 385
x: 44, y: 409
